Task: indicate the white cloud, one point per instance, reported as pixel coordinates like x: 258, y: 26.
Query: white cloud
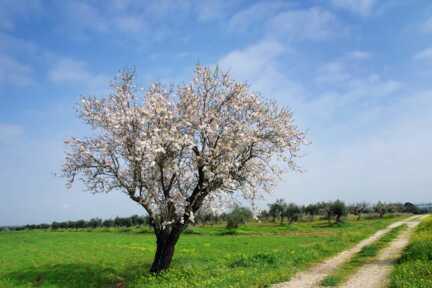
x: 427, y: 26
x: 333, y: 72
x: 69, y: 71
x: 131, y: 24
x: 424, y: 55
x: 388, y: 161
x: 9, y: 43
x: 252, y: 60
x: 135, y: 17
x: 374, y: 85
x: 342, y: 106
x: 9, y: 132
x: 257, y: 64
x: 359, y: 55
x: 347, y: 89
x: 351, y: 73
x: 85, y: 16
x: 14, y: 73
x: 367, y: 133
x: 362, y: 7
x: 212, y: 9
x: 257, y: 13
x: 307, y: 24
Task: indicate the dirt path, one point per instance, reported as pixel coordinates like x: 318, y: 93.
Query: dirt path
x: 376, y: 273
x: 313, y: 276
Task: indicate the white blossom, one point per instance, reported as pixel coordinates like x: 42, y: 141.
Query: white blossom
x: 171, y: 149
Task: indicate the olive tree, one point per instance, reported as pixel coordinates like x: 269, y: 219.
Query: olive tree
x: 170, y: 149
x: 239, y: 215
x: 380, y: 208
x: 277, y: 209
x: 292, y: 212
x: 312, y: 210
x: 358, y: 209
x: 338, y: 209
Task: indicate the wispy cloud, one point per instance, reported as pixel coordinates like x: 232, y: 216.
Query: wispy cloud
x: 14, y: 73
x: 342, y: 69
x: 330, y: 62
x: 257, y: 64
x: 333, y: 73
x: 427, y: 25
x: 305, y: 24
x: 131, y: 24
x: 10, y: 132
x: 253, y: 60
x: 359, y: 55
x: 69, y: 71
x: 212, y: 10
x: 424, y: 55
x: 90, y: 18
x: 352, y: 105
x: 384, y: 159
x: 256, y: 14
x: 362, y: 7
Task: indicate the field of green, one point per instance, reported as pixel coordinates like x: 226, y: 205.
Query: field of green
x: 414, y: 269
x: 253, y: 256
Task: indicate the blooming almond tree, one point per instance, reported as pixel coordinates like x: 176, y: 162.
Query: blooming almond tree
x: 171, y: 149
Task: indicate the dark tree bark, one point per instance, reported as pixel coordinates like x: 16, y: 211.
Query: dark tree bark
x: 165, y: 245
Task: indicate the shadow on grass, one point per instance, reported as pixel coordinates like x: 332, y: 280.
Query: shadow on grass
x: 331, y: 225
x: 77, y: 275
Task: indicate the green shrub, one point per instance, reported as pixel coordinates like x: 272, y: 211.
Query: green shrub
x: 239, y: 215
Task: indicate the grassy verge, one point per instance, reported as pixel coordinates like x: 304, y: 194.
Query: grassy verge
x: 254, y: 256
x: 365, y: 255
x: 414, y: 269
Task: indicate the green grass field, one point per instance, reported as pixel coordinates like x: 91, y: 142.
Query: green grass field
x: 414, y: 269
x: 254, y: 256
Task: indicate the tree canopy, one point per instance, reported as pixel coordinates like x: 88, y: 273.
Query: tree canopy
x: 172, y: 148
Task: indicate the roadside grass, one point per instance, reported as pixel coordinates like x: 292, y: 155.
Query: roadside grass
x: 365, y: 255
x: 253, y: 256
x: 414, y: 268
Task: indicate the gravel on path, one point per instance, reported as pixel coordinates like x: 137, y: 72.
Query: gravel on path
x: 313, y: 276
x: 376, y: 273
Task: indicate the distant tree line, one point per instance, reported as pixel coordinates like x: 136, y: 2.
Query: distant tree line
x: 134, y: 220
x: 332, y: 210
x: 291, y: 212
x: 279, y: 211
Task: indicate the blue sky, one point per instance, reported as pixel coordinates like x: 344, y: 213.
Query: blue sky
x: 356, y: 73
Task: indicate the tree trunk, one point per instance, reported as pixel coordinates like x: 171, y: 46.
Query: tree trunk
x: 165, y: 245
